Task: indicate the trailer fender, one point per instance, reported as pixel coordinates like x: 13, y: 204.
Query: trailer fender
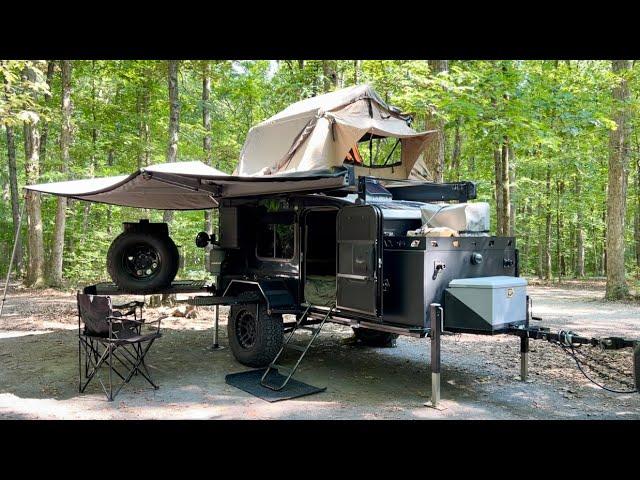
x: 275, y: 293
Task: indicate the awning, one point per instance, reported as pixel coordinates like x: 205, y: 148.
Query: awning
x: 188, y: 186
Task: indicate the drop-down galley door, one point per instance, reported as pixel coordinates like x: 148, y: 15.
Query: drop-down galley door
x: 359, y: 238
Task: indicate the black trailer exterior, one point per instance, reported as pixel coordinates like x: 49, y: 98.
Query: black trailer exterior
x: 355, y: 243
x: 382, y: 281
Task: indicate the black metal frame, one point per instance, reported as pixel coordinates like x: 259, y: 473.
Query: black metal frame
x: 128, y: 346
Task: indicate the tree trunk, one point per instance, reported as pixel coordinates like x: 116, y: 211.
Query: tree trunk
x: 172, y: 150
x: 35, y: 267
x: 57, y: 248
x: 636, y: 220
x: 547, y: 249
x: 110, y: 160
x: 456, y: 152
x: 13, y: 186
x: 15, y: 197
x: 506, y: 191
x: 527, y: 212
x: 143, y: 125
x: 94, y: 147
x: 512, y: 193
x: 559, y: 244
x: 329, y: 75
x: 579, y: 270
x: 617, y: 287
x: 51, y: 65
x: 603, y: 259
x: 541, y: 244
x: 499, y: 190
x: 206, y: 141
x: 357, y: 67
x: 174, y: 121
x: 435, y: 154
x: 431, y: 166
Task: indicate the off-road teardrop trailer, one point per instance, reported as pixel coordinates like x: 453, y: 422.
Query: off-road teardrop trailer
x: 315, y: 227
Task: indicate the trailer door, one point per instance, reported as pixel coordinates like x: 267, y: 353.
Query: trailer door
x: 359, y: 270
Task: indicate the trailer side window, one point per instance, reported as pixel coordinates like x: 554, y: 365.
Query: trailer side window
x: 275, y: 241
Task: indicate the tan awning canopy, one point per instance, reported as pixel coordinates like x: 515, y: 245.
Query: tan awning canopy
x: 187, y: 186
x: 318, y: 133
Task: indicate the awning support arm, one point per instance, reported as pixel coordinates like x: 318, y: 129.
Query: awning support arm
x: 195, y: 186
x: 13, y: 254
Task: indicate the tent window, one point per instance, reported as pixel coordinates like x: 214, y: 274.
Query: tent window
x: 275, y: 241
x: 381, y: 152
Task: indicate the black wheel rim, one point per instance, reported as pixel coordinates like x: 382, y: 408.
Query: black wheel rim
x: 246, y: 329
x: 142, y: 261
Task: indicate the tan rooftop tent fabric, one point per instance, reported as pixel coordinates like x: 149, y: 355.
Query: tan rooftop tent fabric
x: 187, y: 186
x: 318, y: 133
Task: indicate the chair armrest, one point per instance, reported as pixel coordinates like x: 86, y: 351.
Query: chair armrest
x: 132, y: 304
x: 140, y: 321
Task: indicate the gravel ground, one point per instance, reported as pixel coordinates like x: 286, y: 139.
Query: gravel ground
x: 38, y: 369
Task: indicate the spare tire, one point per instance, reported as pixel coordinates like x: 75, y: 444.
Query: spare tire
x: 375, y: 338
x: 140, y: 262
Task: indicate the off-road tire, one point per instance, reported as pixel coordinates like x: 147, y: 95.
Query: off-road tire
x: 167, y: 269
x: 269, y: 334
x: 374, y: 338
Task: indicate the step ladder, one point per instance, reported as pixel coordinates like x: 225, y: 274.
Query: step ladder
x: 315, y: 331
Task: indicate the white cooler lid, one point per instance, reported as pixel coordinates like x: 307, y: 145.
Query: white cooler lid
x: 488, y: 282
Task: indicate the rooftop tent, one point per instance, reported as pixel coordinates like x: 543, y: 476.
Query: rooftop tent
x: 319, y: 132
x: 187, y: 186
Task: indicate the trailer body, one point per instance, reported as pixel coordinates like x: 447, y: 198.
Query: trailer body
x: 381, y: 277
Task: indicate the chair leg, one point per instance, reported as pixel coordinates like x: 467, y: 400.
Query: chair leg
x: 131, y: 359
x: 136, y: 368
x: 79, y: 364
x: 96, y: 367
x: 110, y: 373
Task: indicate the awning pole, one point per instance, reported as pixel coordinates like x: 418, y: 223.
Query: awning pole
x: 13, y: 254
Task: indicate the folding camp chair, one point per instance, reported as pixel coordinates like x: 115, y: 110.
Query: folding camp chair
x: 112, y: 336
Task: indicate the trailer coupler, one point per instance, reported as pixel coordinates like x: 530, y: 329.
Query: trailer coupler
x: 569, y: 340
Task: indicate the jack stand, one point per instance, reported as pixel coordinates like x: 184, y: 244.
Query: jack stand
x: 435, y: 316
x: 524, y: 357
x: 524, y: 345
x: 216, y: 345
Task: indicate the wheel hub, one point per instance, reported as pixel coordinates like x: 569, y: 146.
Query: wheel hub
x: 142, y: 261
x: 246, y: 329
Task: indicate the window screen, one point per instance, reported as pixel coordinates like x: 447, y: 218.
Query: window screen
x: 380, y: 152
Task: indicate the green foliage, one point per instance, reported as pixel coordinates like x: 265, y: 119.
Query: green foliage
x: 556, y: 115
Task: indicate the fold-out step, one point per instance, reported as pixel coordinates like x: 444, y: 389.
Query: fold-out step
x: 290, y: 371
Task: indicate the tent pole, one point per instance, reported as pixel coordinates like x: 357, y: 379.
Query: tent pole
x: 13, y: 255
